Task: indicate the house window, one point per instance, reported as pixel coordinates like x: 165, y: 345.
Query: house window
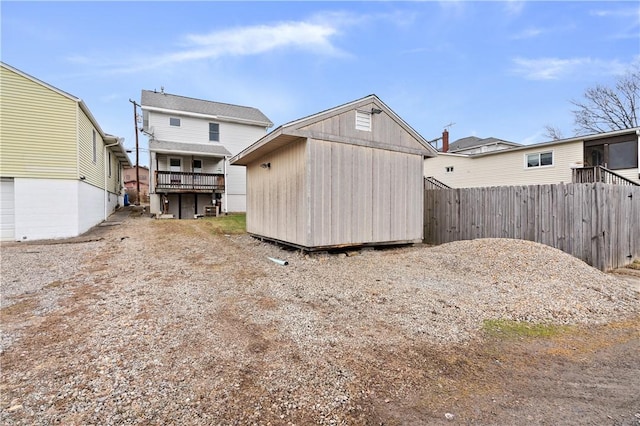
x: 363, y: 121
x: 95, y: 147
x: 449, y: 169
x: 109, y: 164
x: 623, y: 155
x: 214, y: 132
x: 197, y: 166
x: 539, y: 159
x: 173, y: 121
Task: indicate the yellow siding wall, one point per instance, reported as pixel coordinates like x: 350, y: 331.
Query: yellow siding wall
x: 505, y: 168
x: 94, y: 172
x: 37, y: 130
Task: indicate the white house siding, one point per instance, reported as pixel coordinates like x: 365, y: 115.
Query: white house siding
x: 91, y: 201
x: 505, y: 167
x: 46, y: 208
x: 236, y: 189
x: 631, y: 174
x: 233, y: 136
x: 7, y: 210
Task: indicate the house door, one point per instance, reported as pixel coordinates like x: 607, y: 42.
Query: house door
x: 7, y: 209
x: 175, y: 166
x: 595, y: 155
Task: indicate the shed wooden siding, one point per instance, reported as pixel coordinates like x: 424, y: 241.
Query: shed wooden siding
x: 383, y: 129
x: 277, y: 205
x: 505, y: 168
x: 361, y: 195
x: 38, y: 130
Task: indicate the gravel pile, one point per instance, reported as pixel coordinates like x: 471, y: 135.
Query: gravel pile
x: 166, y: 322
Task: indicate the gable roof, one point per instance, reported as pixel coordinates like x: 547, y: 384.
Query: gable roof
x: 118, y: 150
x: 161, y: 101
x: 474, y: 142
x: 293, y: 130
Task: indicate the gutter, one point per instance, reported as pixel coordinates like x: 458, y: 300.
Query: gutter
x: 104, y: 156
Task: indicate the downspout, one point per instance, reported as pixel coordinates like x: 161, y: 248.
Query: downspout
x: 104, y: 157
x: 638, y: 135
x: 225, y: 183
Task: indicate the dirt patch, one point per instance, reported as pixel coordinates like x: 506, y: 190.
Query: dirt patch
x: 166, y: 322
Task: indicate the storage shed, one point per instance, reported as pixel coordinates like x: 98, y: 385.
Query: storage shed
x: 348, y: 176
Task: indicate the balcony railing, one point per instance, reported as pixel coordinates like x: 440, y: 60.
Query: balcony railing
x: 599, y: 174
x: 188, y: 182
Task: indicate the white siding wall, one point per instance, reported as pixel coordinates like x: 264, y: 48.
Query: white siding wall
x: 91, y: 206
x: 58, y: 208
x: 233, y: 136
x: 46, y: 208
x: 505, y: 168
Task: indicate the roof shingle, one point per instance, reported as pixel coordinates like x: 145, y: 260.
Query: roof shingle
x: 181, y: 103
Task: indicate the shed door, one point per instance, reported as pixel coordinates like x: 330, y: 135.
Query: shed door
x: 7, y: 210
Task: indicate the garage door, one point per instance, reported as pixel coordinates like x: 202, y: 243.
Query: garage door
x: 7, y: 210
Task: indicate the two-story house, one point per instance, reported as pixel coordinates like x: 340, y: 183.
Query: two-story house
x: 61, y: 174
x: 190, y: 142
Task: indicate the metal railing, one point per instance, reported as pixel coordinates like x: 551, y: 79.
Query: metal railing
x: 432, y: 183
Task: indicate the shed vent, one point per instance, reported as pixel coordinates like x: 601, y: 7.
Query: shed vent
x: 363, y: 121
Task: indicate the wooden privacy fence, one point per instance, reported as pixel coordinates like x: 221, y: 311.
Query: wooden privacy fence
x: 595, y: 222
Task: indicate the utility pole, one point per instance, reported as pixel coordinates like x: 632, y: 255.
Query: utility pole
x: 135, y: 125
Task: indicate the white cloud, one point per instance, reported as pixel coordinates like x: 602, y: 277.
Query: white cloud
x: 557, y: 68
x: 259, y: 39
x: 527, y: 33
x: 628, y: 21
x: 514, y: 7
x: 315, y: 35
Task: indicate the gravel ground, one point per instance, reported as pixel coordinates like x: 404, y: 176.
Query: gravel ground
x: 167, y: 322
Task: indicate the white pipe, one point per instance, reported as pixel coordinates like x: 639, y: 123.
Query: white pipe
x: 224, y: 165
x: 104, y: 157
x: 278, y: 261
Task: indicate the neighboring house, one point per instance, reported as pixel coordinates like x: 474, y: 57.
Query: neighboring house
x: 190, y: 141
x: 131, y: 183
x: 61, y: 173
x: 543, y: 163
x: 476, y: 145
x: 348, y: 176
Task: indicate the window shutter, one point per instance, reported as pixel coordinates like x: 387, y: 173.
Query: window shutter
x: 363, y: 121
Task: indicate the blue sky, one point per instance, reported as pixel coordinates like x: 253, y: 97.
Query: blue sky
x: 502, y: 69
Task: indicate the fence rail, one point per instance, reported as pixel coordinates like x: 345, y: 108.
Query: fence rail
x: 596, y: 222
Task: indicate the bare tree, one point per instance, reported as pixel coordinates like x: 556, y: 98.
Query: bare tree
x: 607, y: 109
x: 553, y: 133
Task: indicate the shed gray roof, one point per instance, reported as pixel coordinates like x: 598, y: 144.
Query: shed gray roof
x: 474, y: 141
x: 182, y: 103
x: 191, y: 148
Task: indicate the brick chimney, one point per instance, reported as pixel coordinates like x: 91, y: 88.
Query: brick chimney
x: 445, y: 140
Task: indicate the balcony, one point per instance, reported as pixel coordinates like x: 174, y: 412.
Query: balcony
x: 599, y: 174
x: 176, y: 182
